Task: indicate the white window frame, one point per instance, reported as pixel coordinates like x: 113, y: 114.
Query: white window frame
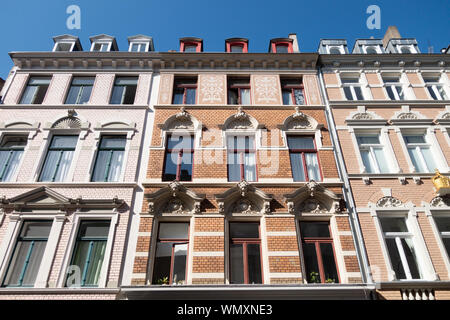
x: 102, y: 43
x: 255, y: 134
x: 376, y: 47
x: 433, y: 86
x: 393, y: 86
x: 10, y: 239
x: 72, y: 43
x: 370, y: 147
x: 408, y: 212
x: 352, y: 86
x: 77, y: 218
x: 431, y: 213
x: 29, y: 136
x: 140, y: 43
x: 411, y: 48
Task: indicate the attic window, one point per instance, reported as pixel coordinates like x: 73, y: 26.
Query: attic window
x: 101, y: 46
x: 405, y: 50
x: 282, y: 47
x: 238, y: 47
x: 191, y: 46
x: 371, y: 50
x: 64, y: 46
x: 334, y: 50
x: 138, y: 47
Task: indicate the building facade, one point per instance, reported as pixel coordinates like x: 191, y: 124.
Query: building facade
x: 389, y: 106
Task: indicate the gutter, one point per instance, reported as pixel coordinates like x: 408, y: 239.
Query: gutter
x: 348, y: 196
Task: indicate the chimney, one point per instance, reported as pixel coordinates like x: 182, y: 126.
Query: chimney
x: 391, y: 33
x: 295, y: 48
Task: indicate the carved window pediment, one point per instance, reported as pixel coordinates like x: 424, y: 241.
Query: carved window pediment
x: 299, y: 121
x: 389, y: 201
x: 440, y: 202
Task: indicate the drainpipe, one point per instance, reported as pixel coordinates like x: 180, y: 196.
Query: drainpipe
x: 348, y: 196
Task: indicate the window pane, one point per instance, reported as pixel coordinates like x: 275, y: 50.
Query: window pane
x: 429, y: 159
x: 282, y: 48
x: 9, y: 162
x: 395, y: 259
x: 64, y: 165
x: 115, y: 167
x: 381, y: 160
x: 446, y: 242
x: 179, y: 263
x: 244, y: 230
x: 79, y: 258
x: 72, y: 96
x: 35, y: 229
x: 236, y: 264
x: 410, y: 254
x: 442, y: 92
x: 443, y: 223
x: 130, y: 94
x: 358, y: 93
x: 348, y: 93
x: 173, y: 230
x: 287, y: 97
x: 368, y: 139
x: 170, y: 166
x: 113, y: 142
x: 179, y: 142
x: 234, y: 167
x: 178, y: 95
x: 161, y: 272
x: 245, y: 96
x: 415, y: 139
x: 64, y: 142
x: 186, y: 167
x: 237, y: 48
x: 83, y: 81
x: 85, y: 95
x: 233, y: 96
x: 312, y: 166
x: 190, y: 95
x: 190, y: 48
x: 415, y: 158
x: 432, y: 93
x: 254, y: 263
x: 117, y: 94
x: 50, y: 166
x: 393, y: 225
x: 100, y: 170
x: 299, y: 142
x: 249, y: 167
x: 367, y: 161
x: 28, y: 95
x: 314, y: 230
x: 94, y: 266
x: 94, y: 229
x: 135, y: 47
x: 329, y: 263
x: 17, y: 264
x: 390, y: 93
x: 298, y: 173
x: 299, y: 97
x: 311, y: 265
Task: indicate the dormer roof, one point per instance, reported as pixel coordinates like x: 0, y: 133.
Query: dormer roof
x: 142, y: 38
x: 105, y: 38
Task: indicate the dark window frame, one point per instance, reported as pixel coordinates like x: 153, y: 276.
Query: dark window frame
x: 292, y: 87
x: 241, y: 157
x: 235, y: 84
x: 111, y: 149
x: 302, y: 152
x: 184, y: 85
x: 317, y: 241
x: 180, y: 152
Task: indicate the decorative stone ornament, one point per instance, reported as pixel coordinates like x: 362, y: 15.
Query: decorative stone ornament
x: 441, y: 202
x: 389, y: 201
x: 441, y: 183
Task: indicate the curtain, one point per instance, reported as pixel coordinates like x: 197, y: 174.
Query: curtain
x: 50, y: 165
x: 64, y: 165
x: 367, y: 161
x: 249, y: 167
x: 408, y: 247
x: 34, y: 263
x: 100, y: 166
x: 28, y: 95
x: 313, y: 166
x: 12, y: 166
x: 115, y: 168
x: 414, y: 155
x: 16, y: 263
x: 245, y: 96
x: 94, y: 267
x: 297, y: 167
x: 179, y: 262
x: 299, y: 98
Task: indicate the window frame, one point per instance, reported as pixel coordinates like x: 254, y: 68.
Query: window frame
x: 317, y: 241
x: 180, y: 155
x: 302, y: 152
x: 233, y: 83
x: 197, y: 44
x: 242, y: 44
x: 175, y: 241
x: 178, y: 83
x: 242, y: 152
x: 35, y: 94
x: 80, y: 93
x: 101, y: 43
x: 10, y: 149
x: 352, y: 86
x: 292, y: 87
x: 287, y: 44
x: 124, y: 91
x: 245, y: 242
x: 140, y: 44
x: 371, y: 147
x: 417, y: 147
x: 72, y: 46
x: 124, y: 149
x: 387, y: 83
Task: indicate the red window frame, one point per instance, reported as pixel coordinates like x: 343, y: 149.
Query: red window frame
x: 239, y: 85
x: 242, y: 44
x: 241, y: 158
x: 282, y: 43
x: 303, y: 151
x: 292, y: 87
x: 179, y: 84
x: 197, y: 44
x: 179, y: 159
x: 174, y: 241
x: 317, y: 241
x: 245, y: 242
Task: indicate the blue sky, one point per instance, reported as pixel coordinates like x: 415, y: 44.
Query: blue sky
x: 29, y: 25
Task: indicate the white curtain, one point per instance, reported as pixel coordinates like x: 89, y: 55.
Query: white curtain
x: 50, y: 165
x: 313, y: 166
x: 245, y: 96
x: 64, y: 166
x: 100, y: 166
x: 366, y: 158
x: 414, y: 155
x: 429, y: 160
x: 249, y: 167
x: 34, y: 263
x: 115, y: 168
x: 12, y: 165
x: 297, y: 167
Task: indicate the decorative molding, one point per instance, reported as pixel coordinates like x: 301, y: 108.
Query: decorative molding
x: 440, y: 202
x: 389, y: 201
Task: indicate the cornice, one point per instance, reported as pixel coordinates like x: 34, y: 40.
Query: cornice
x: 233, y: 107
x: 388, y: 103
x: 164, y: 61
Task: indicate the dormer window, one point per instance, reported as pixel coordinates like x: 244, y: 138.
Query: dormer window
x: 405, y: 49
x: 66, y: 43
x: 281, y: 46
x: 191, y: 45
x: 138, y: 47
x: 236, y: 45
x: 140, y: 43
x: 371, y: 50
x: 101, y: 46
x: 335, y: 50
x: 64, y: 46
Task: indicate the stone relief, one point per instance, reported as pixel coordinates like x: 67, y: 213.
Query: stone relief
x: 389, y: 201
x: 266, y: 89
x: 212, y: 89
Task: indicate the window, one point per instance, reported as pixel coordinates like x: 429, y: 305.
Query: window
x: 185, y: 91
x: 11, y: 151
x: 239, y: 91
x: 138, y: 47
x: 292, y: 92
x: 241, y: 161
x: 89, y: 252
x: 80, y: 90
x: 303, y: 155
x: 171, y: 253
x: 352, y: 88
x: 405, y: 50
x: 371, y: 50
x: 64, y: 46
x: 318, y: 252
x: 372, y: 153
x: 245, y: 253
x: 124, y: 90
x: 399, y: 243
x: 435, y: 89
x: 443, y: 225
x: 420, y: 152
x: 35, y: 90
x: 281, y: 47
x: 59, y: 157
x: 101, y: 46
x: 178, y: 158
x: 27, y: 255
x: 191, y: 46
x: 108, y: 165
x: 394, y: 88
x: 335, y: 50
